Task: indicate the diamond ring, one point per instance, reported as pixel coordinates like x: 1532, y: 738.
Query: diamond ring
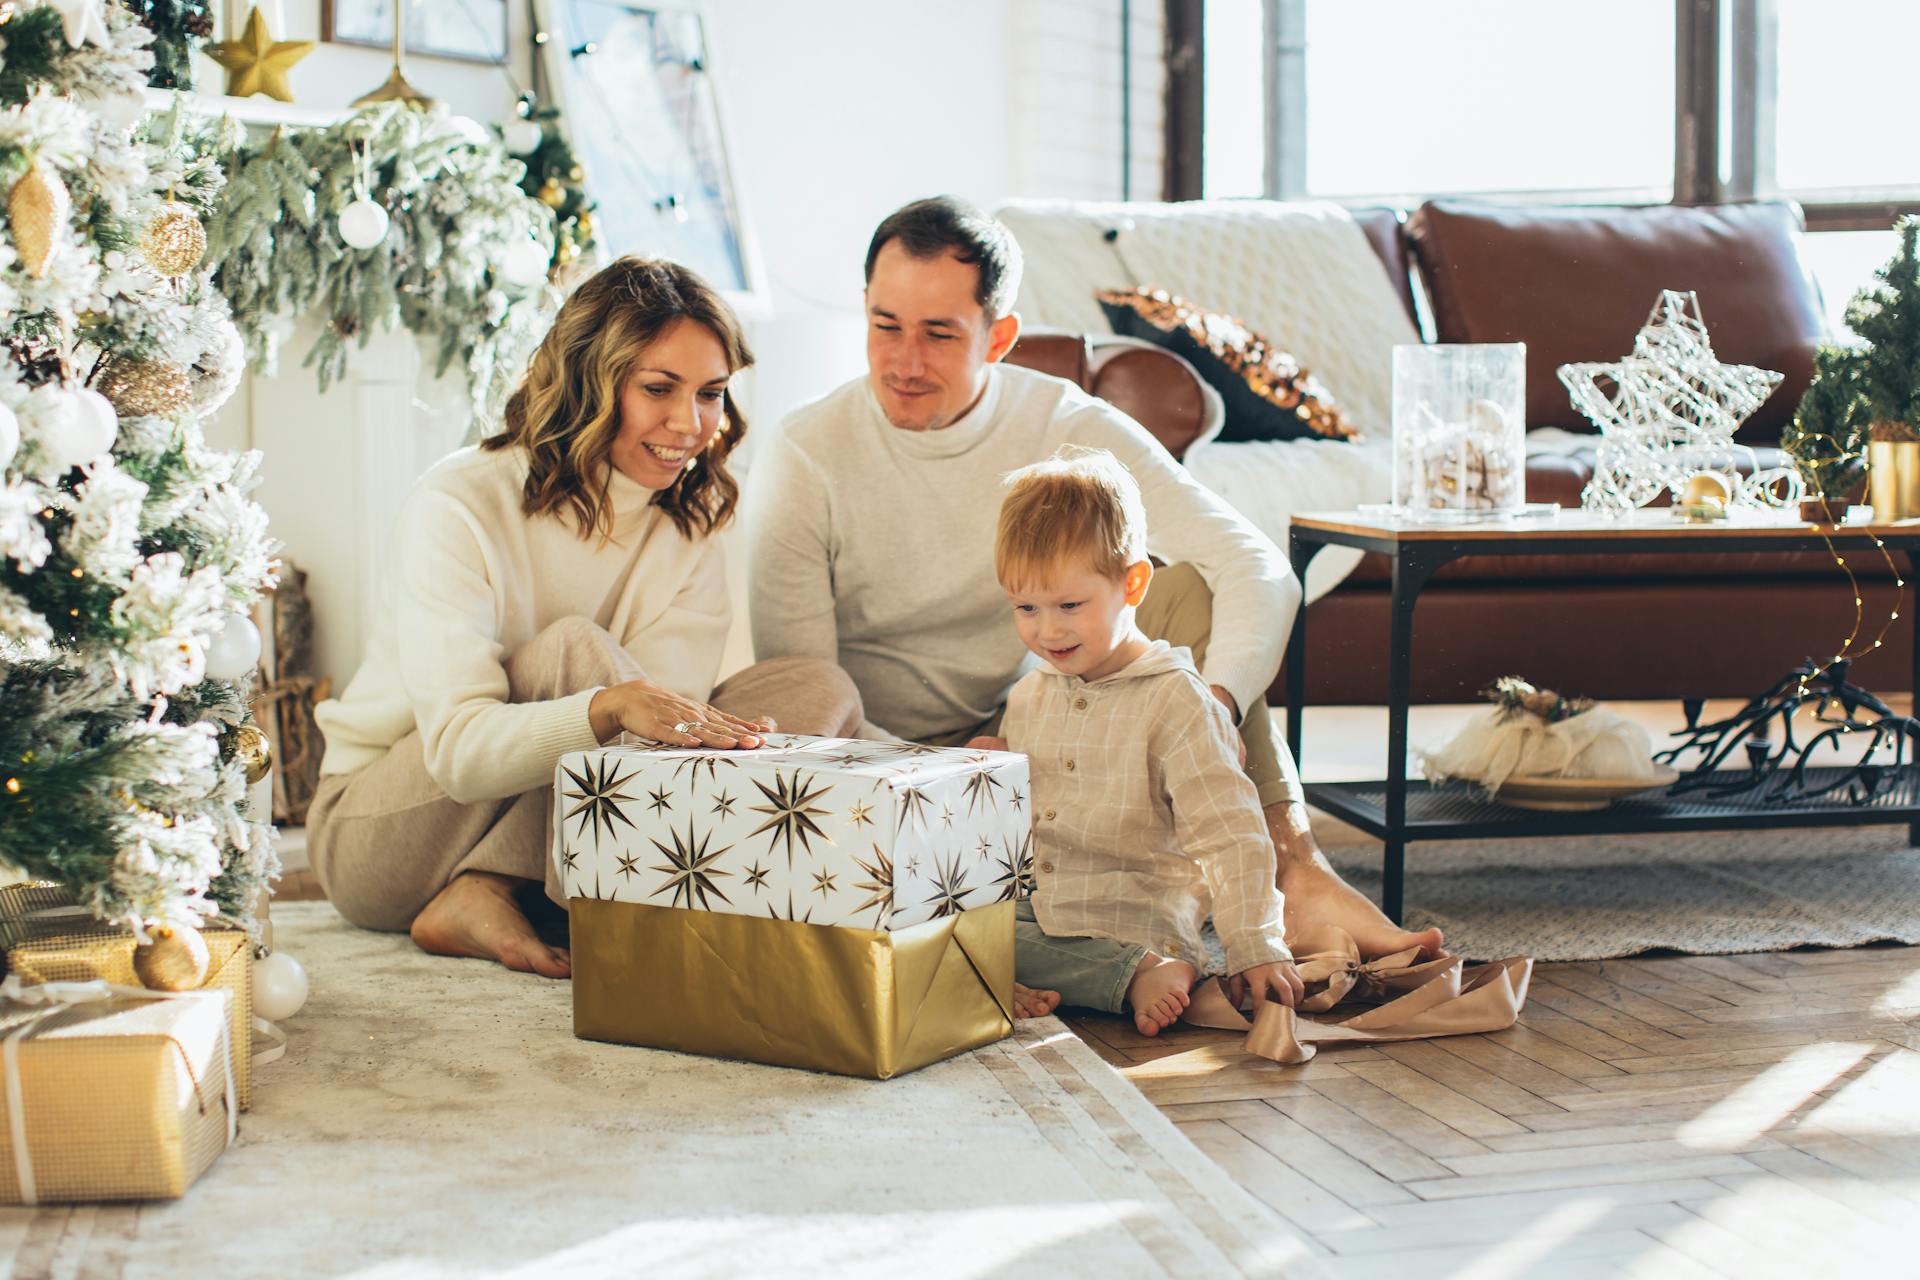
x: 683, y: 727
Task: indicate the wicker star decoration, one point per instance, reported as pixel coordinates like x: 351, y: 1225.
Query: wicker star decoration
x: 256, y: 62
x: 1669, y: 411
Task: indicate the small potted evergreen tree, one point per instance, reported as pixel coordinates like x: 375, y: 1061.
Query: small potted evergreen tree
x: 1886, y: 316
x: 1828, y: 436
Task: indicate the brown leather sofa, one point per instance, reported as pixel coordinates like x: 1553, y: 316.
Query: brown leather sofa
x: 1573, y: 284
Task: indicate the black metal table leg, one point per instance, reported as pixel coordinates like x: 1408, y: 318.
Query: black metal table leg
x: 1412, y: 566
x: 1300, y: 552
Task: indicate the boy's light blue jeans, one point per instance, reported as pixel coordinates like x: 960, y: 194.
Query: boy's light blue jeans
x: 1092, y: 973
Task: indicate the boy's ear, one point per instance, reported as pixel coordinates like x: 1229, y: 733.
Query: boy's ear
x: 1139, y: 574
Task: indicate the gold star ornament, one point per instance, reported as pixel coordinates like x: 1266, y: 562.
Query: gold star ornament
x: 256, y: 62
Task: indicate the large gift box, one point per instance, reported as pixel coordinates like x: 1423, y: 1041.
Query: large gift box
x: 827, y: 903
x: 111, y: 1093
x: 46, y: 937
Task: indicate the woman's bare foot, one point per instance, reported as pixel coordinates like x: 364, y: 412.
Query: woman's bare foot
x: 1031, y: 1003
x: 475, y: 915
x: 1159, y: 992
x: 1316, y: 895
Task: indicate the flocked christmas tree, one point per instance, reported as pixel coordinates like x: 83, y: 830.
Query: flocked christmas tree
x: 129, y: 552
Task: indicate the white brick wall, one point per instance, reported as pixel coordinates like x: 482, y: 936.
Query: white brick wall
x: 1064, y: 83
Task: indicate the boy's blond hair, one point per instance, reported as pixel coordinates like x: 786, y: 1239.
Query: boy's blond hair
x: 1080, y: 505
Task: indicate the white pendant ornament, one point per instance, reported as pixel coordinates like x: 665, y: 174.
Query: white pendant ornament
x: 525, y: 263
x: 279, y: 986
x: 72, y: 425
x: 234, y: 650
x: 9, y: 436
x: 523, y: 137
x: 363, y: 224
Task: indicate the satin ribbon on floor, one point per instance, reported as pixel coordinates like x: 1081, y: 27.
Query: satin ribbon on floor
x: 1409, y: 999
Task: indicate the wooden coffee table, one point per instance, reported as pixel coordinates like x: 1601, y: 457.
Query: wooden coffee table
x: 1399, y: 811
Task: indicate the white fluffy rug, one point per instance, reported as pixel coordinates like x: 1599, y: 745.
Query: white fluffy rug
x: 1709, y: 893
x: 436, y: 1118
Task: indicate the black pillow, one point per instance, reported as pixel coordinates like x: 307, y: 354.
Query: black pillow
x: 1268, y: 396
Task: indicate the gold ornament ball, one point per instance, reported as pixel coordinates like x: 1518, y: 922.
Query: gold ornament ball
x: 175, y: 241
x: 576, y: 174
x: 583, y: 227
x: 551, y: 193
x: 247, y: 744
x: 142, y: 388
x: 1705, y: 488
x: 175, y: 959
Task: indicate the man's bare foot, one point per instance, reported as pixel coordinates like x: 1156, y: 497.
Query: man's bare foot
x: 1159, y: 992
x: 1031, y: 1003
x: 476, y: 916
x: 1316, y: 895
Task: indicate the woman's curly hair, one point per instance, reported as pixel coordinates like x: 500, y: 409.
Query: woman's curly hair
x: 566, y: 411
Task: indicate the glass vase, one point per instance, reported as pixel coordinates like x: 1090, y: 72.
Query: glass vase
x: 1459, y: 430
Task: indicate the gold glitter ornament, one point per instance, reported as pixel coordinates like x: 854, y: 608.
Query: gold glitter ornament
x: 247, y: 744
x: 37, y: 210
x: 576, y: 174
x: 583, y: 227
x: 175, y: 241
x: 144, y: 388
x: 175, y: 959
x: 551, y: 193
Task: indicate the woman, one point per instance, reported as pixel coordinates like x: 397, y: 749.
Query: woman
x: 548, y: 590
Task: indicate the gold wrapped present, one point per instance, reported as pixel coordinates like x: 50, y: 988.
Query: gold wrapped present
x: 819, y: 902
x: 860, y: 1002
x: 47, y: 937
x: 111, y: 1093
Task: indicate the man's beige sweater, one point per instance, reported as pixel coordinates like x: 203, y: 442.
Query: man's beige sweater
x: 873, y: 547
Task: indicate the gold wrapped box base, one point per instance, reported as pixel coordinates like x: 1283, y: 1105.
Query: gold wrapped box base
x: 123, y: 1100
x: 858, y: 1002
x: 45, y: 939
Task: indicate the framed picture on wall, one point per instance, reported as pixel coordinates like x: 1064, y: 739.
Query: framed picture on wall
x: 635, y: 84
x: 470, y: 30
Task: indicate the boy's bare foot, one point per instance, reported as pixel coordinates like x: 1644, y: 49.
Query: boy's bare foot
x: 1031, y: 1003
x: 475, y: 915
x: 1159, y: 992
x: 1316, y: 895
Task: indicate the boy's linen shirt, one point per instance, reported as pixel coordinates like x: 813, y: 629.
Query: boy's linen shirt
x: 1143, y: 820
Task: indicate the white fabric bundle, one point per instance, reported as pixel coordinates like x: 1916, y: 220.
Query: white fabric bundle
x: 1499, y: 744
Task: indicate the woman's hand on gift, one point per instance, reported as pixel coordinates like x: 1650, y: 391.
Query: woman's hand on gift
x: 1279, y: 982
x: 987, y: 744
x: 647, y: 711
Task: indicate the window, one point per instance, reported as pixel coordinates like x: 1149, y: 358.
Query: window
x: 1574, y: 101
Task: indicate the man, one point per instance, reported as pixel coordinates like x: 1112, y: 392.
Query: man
x: 872, y: 537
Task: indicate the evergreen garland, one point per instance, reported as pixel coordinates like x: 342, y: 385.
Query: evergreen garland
x: 1886, y: 316
x: 178, y: 26
x: 453, y: 199
x: 117, y: 573
x: 557, y: 179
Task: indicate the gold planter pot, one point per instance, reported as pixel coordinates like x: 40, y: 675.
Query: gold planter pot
x: 1893, y: 479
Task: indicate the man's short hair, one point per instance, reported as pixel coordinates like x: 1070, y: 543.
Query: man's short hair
x: 1078, y: 507
x: 943, y: 224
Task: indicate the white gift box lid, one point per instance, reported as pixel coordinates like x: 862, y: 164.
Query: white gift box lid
x: 836, y: 831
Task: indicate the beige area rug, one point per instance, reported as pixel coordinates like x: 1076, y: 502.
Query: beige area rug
x: 1711, y: 893
x: 436, y: 1118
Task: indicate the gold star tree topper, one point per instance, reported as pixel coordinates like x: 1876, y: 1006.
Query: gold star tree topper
x: 256, y: 62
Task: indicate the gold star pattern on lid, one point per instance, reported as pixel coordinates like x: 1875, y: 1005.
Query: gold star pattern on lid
x: 256, y: 62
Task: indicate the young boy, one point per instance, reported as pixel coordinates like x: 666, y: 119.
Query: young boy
x: 1144, y: 822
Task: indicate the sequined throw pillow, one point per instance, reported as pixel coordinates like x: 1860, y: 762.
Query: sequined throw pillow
x: 1268, y: 395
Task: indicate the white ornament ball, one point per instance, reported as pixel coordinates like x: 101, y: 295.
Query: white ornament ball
x: 279, y: 986
x: 523, y: 137
x: 363, y: 224
x: 9, y: 436
x: 234, y: 650
x: 73, y: 425
x: 102, y: 419
x: 525, y: 263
